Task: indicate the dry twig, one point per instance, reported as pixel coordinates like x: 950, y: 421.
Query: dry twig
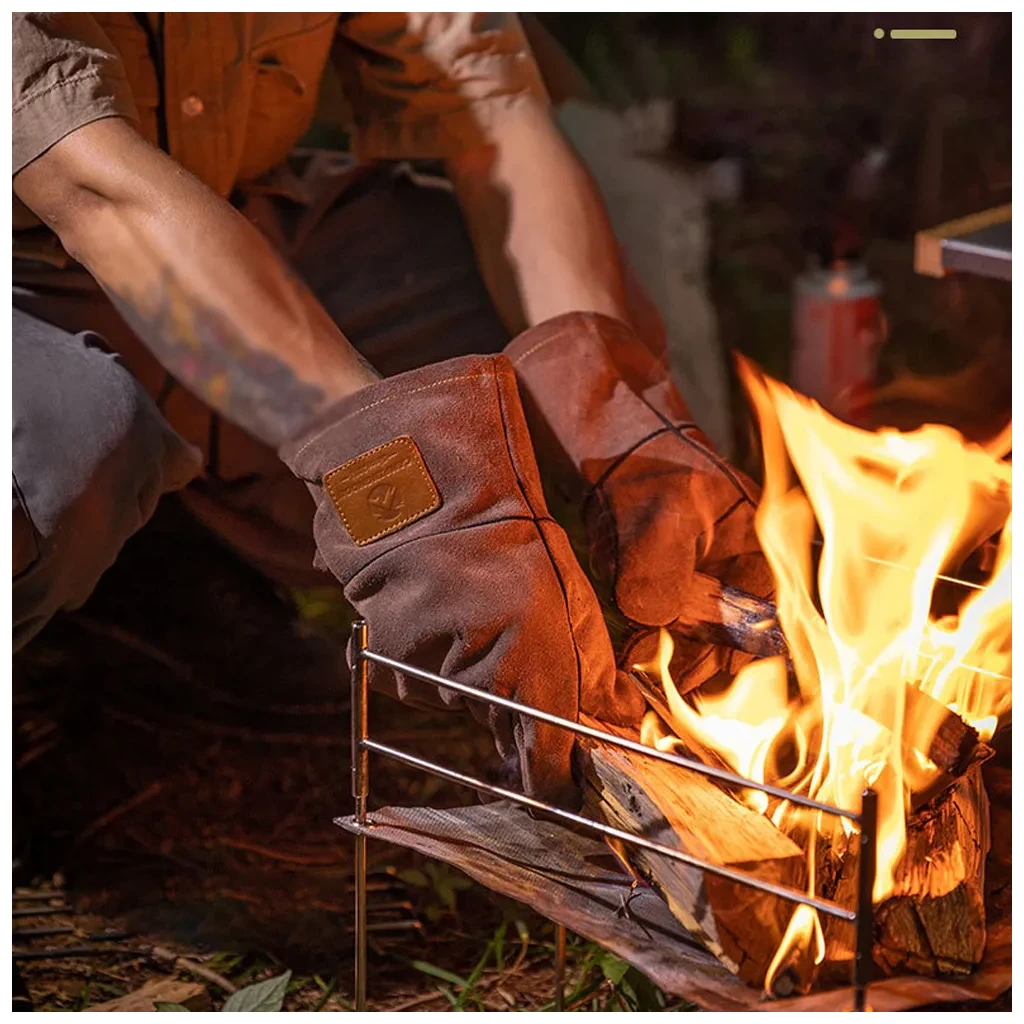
x: 183, y: 963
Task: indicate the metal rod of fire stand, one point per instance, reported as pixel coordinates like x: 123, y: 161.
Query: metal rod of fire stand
x: 729, y: 778
x: 733, y: 875
x: 865, y: 897
x: 559, y: 968
x: 360, y: 791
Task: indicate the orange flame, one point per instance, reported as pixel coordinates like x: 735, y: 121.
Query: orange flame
x: 896, y: 512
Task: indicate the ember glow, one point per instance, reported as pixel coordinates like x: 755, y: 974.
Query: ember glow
x: 859, y: 528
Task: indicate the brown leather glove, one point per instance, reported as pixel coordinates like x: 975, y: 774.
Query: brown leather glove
x: 430, y: 513
x: 657, y: 501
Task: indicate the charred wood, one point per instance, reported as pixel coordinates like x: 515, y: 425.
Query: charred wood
x: 934, y: 923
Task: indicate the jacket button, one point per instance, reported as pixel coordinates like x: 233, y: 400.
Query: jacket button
x: 192, y: 106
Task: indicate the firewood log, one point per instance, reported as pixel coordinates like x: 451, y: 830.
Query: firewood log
x: 934, y: 923
x: 719, y: 614
x: 953, y: 744
x: 688, y: 812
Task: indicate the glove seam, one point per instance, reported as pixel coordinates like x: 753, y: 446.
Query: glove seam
x: 540, y: 533
x: 682, y: 431
x: 729, y: 511
x: 589, y: 317
x: 719, y: 463
x: 715, y: 461
x: 619, y: 459
x: 540, y: 344
x: 381, y: 401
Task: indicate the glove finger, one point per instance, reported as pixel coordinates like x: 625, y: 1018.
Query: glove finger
x: 669, y: 520
x: 622, y: 703
x: 544, y: 759
x: 692, y: 664
x: 735, y: 556
x: 653, y: 527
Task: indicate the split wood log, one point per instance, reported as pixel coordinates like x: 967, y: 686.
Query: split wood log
x: 688, y: 812
x: 719, y: 614
x: 952, y: 745
x: 934, y: 923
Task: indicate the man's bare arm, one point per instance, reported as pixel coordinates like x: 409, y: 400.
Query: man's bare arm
x: 538, y: 223
x: 198, y: 283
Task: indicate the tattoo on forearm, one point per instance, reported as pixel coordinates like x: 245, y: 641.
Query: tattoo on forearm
x: 210, y: 356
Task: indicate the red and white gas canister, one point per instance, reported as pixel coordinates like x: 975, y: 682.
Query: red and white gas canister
x: 837, y: 331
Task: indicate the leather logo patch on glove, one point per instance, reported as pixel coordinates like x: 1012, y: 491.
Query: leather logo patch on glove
x: 382, y: 490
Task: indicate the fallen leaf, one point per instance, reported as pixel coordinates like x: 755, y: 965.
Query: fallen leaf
x: 144, y: 1000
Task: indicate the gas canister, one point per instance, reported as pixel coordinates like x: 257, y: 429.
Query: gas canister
x: 837, y: 330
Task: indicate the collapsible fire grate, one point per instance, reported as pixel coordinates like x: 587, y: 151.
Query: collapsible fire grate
x: 362, y: 825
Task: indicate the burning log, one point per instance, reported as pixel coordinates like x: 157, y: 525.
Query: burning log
x: 953, y: 745
x: 931, y: 729
x: 934, y: 923
x: 938, y: 897
x: 688, y: 812
x: 719, y: 614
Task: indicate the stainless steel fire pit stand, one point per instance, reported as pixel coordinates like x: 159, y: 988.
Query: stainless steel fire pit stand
x: 362, y: 746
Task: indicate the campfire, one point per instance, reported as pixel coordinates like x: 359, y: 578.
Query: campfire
x: 880, y: 674
x: 891, y: 555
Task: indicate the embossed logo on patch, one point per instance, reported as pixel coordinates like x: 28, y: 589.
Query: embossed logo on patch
x: 385, y: 502
x: 382, y: 490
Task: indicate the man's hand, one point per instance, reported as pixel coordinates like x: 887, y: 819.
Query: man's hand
x: 198, y: 283
x: 539, y: 226
x: 658, y: 502
x: 430, y: 513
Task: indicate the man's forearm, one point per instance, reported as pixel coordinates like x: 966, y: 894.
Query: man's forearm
x: 199, y: 285
x: 539, y: 226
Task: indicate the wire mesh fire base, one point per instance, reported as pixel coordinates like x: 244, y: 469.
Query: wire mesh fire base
x: 862, y: 918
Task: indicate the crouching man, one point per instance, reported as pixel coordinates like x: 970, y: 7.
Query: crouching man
x: 354, y: 346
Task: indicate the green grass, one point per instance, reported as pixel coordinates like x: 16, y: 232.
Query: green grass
x: 596, y: 980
